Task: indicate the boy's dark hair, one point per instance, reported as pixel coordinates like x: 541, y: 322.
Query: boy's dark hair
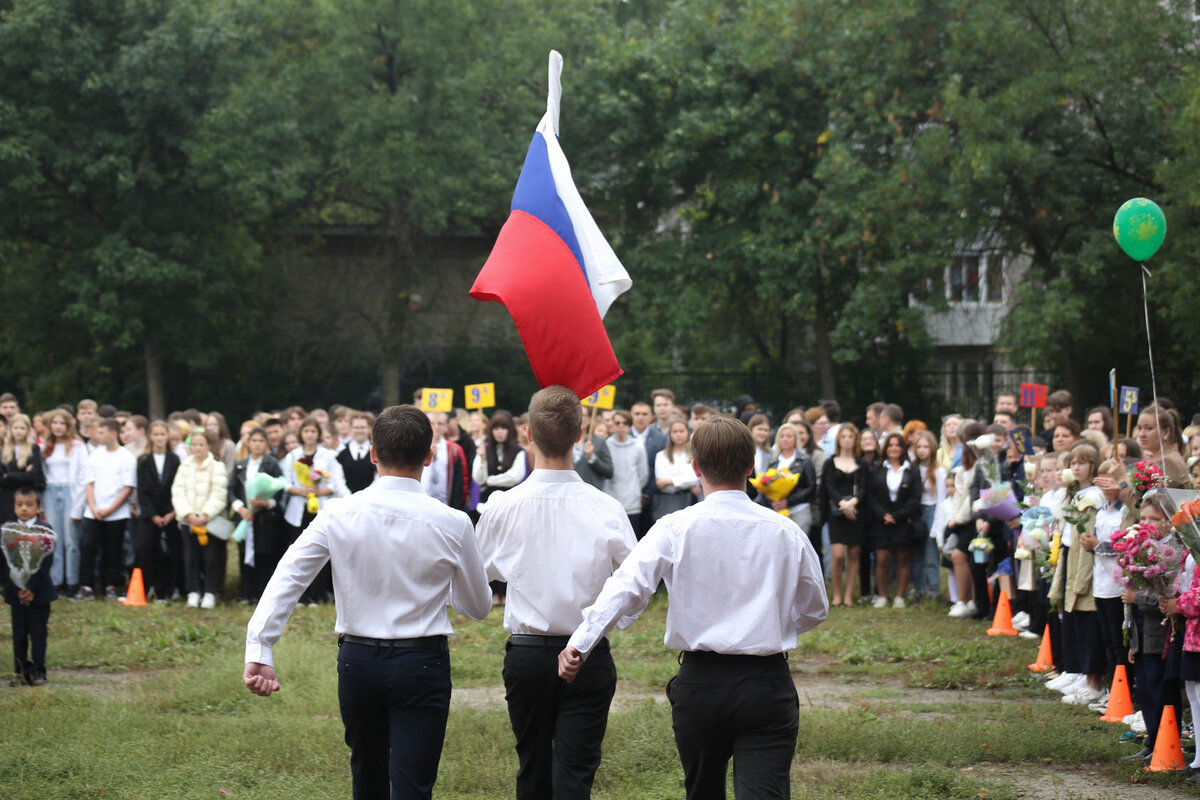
x: 272, y: 422
x: 895, y: 413
x: 833, y: 411
x: 667, y: 393
x: 8, y: 397
x: 111, y: 424
x: 555, y: 418
x: 402, y: 436
x: 257, y: 431
x: 139, y: 421
x: 108, y: 410
x: 723, y: 450
x: 998, y: 430
x: 1008, y: 414
x: 27, y: 491
x: 1060, y: 399
x: 67, y: 407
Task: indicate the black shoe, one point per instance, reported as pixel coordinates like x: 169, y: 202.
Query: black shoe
x: 110, y: 593
x: 1194, y: 778
x: 1141, y: 755
x: 40, y: 680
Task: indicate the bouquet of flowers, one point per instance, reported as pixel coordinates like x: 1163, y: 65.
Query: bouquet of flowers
x: 981, y: 547
x: 1145, y: 562
x: 261, y: 487
x: 776, y: 484
x: 308, y: 475
x: 1145, y: 476
x: 1081, y: 508
x: 1035, y: 542
x: 25, y: 546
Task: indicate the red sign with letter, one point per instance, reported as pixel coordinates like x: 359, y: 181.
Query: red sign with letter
x: 1033, y: 395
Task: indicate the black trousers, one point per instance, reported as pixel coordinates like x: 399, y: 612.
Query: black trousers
x: 29, y: 625
x: 321, y: 588
x: 203, y: 566
x: 739, y: 707
x: 149, y: 553
x: 394, y: 704
x: 105, y: 537
x: 559, y: 726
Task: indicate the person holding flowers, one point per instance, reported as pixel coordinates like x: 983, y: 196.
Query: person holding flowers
x: 1158, y: 434
x: 1149, y: 560
x: 1071, y: 590
x: 199, y: 495
x: 894, y: 488
x: 27, y: 586
x: 787, y: 454
x: 1106, y: 588
x: 843, y: 496
x: 314, y: 476
x: 262, y: 548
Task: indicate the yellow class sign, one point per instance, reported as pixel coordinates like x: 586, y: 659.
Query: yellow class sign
x: 434, y: 399
x: 479, y: 395
x: 601, y: 399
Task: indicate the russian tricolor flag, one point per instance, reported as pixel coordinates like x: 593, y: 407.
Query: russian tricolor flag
x: 553, y: 269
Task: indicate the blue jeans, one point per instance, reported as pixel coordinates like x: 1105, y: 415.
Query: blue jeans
x: 394, y: 702
x: 926, y: 560
x: 56, y: 503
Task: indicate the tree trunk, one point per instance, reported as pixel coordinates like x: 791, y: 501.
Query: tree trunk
x: 391, y: 381
x: 156, y: 402
x: 824, y: 352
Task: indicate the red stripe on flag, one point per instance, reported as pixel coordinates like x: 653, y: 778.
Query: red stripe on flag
x: 533, y: 273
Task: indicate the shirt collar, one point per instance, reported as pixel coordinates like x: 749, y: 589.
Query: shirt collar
x: 396, y: 483
x: 555, y: 476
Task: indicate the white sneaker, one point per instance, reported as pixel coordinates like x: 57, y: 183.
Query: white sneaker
x: 1071, y: 688
x: 1138, y: 725
x: 1100, y: 705
x: 209, y: 601
x: 1062, y: 681
x: 971, y: 607
x: 193, y: 600
x: 959, y: 610
x: 1082, y: 696
x: 1020, y: 621
x: 1028, y: 635
x: 1129, y: 719
x: 899, y: 602
x: 880, y: 602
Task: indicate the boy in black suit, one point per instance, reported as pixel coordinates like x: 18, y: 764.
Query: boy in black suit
x: 31, y: 605
x: 355, y: 457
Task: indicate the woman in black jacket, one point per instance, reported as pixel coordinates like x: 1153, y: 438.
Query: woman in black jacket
x: 157, y: 546
x: 266, y: 541
x: 895, y: 493
x: 22, y: 464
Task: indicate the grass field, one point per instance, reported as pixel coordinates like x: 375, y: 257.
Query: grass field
x: 148, y: 703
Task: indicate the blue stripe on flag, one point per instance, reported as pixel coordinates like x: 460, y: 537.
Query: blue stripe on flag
x: 536, y: 194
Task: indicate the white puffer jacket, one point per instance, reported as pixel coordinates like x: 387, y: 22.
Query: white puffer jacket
x: 200, y: 488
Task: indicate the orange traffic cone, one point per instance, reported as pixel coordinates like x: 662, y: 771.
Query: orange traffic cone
x: 1168, y: 755
x: 136, y: 596
x: 1046, y: 662
x: 1120, y: 705
x: 1002, y: 621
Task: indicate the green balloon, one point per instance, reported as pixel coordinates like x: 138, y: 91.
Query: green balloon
x: 1140, y: 228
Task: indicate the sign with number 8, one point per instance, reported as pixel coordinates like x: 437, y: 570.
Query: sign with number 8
x: 436, y: 399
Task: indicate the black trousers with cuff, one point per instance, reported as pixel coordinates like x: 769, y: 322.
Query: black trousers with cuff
x: 559, y: 726
x: 734, y: 706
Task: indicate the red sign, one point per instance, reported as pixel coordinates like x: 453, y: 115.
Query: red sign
x: 1033, y: 395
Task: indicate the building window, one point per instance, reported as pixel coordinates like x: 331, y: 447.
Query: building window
x: 995, y: 278
x: 976, y: 278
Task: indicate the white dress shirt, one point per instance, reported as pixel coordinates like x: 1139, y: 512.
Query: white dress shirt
x: 742, y: 579
x: 555, y: 540
x: 1108, y: 522
x: 502, y: 480
x: 683, y: 477
x: 433, y: 479
x: 110, y: 472
x: 399, y: 558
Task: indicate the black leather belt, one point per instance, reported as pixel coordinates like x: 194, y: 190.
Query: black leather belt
x: 421, y: 643
x: 531, y: 640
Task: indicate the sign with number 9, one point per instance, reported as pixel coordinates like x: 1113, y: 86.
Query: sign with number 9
x: 601, y: 399
x: 479, y: 395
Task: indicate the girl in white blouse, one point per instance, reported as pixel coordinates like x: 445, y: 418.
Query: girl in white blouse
x: 63, y: 458
x: 678, y: 486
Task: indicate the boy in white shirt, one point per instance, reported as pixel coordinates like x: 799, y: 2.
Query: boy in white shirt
x: 111, y: 474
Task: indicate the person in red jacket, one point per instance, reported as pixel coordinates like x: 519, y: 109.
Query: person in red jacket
x: 448, y: 478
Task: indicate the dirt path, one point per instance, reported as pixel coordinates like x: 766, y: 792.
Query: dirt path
x: 1085, y: 783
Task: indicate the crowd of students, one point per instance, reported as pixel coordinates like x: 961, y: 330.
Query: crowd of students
x: 887, y: 507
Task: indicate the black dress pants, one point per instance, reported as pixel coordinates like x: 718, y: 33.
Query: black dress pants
x: 149, y: 553
x: 394, y: 704
x: 739, y: 707
x: 107, y: 537
x: 29, y: 625
x: 203, y: 565
x: 559, y: 726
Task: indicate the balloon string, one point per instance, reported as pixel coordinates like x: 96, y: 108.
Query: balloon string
x: 1162, y: 462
